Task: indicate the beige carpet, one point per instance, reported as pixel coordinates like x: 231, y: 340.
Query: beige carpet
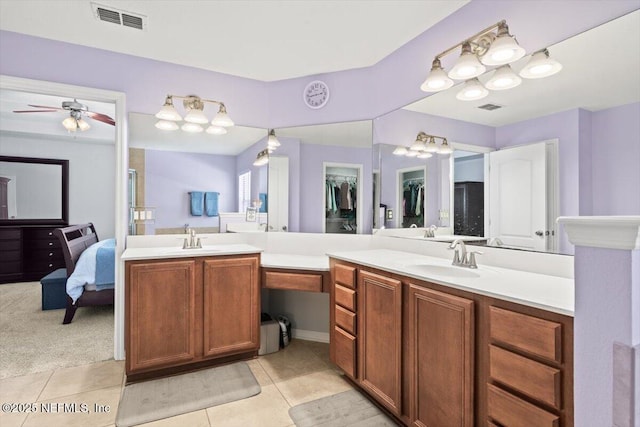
x: 32, y: 340
x: 167, y: 397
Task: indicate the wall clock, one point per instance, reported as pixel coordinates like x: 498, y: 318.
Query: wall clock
x: 316, y: 94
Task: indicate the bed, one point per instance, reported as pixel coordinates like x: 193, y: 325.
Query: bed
x: 75, y: 240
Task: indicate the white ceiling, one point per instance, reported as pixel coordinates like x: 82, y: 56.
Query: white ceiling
x: 264, y: 40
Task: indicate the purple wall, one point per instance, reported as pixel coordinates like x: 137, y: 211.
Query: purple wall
x: 169, y: 176
x: 616, y: 160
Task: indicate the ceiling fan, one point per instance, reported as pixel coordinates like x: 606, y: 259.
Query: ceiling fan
x: 76, y: 110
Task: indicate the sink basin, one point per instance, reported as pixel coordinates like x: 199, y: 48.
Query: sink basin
x: 444, y: 270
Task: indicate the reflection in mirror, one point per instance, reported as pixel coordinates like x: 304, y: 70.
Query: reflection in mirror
x: 566, y: 109
x: 200, y: 181
x: 323, y: 158
x: 33, y: 189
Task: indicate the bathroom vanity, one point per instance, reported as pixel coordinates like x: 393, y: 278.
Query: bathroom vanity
x: 441, y: 345
x: 190, y: 308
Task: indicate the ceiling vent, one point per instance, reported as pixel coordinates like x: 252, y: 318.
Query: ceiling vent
x: 490, y: 107
x: 120, y: 17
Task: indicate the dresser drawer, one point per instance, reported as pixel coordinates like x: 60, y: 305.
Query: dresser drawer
x: 10, y: 234
x: 41, y: 244
x: 37, y: 233
x: 508, y: 410
x: 345, y: 319
x: 534, y: 379
x: 530, y: 334
x: 293, y: 281
x: 43, y: 265
x: 10, y: 245
x: 10, y: 256
x: 10, y: 267
x: 345, y: 275
x: 44, y: 254
x: 345, y: 351
x: 345, y: 297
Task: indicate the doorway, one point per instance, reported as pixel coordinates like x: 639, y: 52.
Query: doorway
x: 411, y: 195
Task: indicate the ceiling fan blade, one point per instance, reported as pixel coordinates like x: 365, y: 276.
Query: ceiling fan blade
x: 101, y: 117
x: 35, y: 111
x: 45, y: 106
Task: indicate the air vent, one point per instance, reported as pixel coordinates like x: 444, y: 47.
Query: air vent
x: 120, y: 17
x: 490, y: 107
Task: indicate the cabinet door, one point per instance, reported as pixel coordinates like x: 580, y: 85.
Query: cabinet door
x: 380, y: 334
x: 160, y: 312
x: 441, y: 332
x: 231, y: 306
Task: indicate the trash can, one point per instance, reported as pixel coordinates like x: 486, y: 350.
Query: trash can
x: 269, y: 335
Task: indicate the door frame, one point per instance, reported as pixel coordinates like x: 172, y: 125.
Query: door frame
x: 360, y: 195
x: 399, y: 194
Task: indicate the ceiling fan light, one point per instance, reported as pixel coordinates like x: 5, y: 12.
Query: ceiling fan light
x: 437, y: 79
x: 222, y: 118
x: 400, y: 151
x: 70, y: 124
x: 504, y: 50
x: 503, y: 78
x: 467, y: 66
x: 540, y: 65
x: 168, y: 112
x: 191, y: 127
x: 166, y: 125
x: 272, y: 140
x: 83, y: 125
x: 472, y: 90
x: 216, y: 130
x: 196, y: 116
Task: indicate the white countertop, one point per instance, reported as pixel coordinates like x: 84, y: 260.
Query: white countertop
x: 546, y: 292
x: 295, y: 262
x: 177, y: 252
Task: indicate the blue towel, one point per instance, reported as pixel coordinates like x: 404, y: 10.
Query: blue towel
x: 211, y: 203
x: 196, y: 203
x: 106, y: 264
x: 263, y: 199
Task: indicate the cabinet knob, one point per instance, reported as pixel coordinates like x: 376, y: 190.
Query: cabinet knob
x: 50, y: 253
x: 50, y: 233
x: 50, y: 243
x: 50, y: 265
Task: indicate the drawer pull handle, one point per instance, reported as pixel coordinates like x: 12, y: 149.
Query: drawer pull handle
x: 50, y: 253
x: 50, y: 234
x: 50, y: 243
x: 50, y: 265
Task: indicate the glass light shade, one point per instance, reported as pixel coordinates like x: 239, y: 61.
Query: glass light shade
x: 472, y: 91
x: 467, y: 66
x: 191, y: 127
x: 83, y: 125
x: 437, y: 79
x: 504, y: 50
x: 272, y: 140
x: 418, y: 145
x: 70, y: 124
x: 540, y: 65
x: 196, y: 116
x: 445, y: 148
x: 222, y: 119
x: 166, y: 125
x: 431, y: 146
x: 424, y: 155
x: 400, y: 151
x: 503, y: 78
x: 168, y: 112
x: 412, y: 153
x: 216, y: 130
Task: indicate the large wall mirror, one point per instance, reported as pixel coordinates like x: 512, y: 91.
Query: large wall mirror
x: 34, y: 191
x: 553, y: 118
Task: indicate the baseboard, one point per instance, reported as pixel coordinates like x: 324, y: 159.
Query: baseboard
x: 310, y: 335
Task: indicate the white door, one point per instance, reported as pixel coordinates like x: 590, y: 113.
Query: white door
x: 278, y: 194
x: 518, y: 202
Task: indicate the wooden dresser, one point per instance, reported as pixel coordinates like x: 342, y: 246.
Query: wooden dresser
x: 28, y: 252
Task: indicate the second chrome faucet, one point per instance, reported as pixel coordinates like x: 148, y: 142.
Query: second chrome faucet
x: 461, y: 257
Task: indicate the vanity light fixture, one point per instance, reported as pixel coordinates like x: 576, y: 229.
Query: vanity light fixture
x: 494, y: 46
x: 75, y: 122
x: 195, y: 117
x: 424, y: 147
x: 262, y: 158
x: 272, y: 140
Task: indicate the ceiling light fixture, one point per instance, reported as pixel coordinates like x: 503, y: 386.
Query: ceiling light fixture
x: 272, y: 140
x: 75, y: 122
x: 493, y: 46
x: 424, y: 146
x: 262, y: 158
x: 195, y: 117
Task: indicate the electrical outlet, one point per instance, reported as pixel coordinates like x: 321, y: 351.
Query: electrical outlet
x: 444, y: 214
x: 389, y: 213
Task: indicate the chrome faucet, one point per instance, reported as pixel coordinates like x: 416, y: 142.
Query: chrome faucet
x: 431, y: 231
x: 463, y: 258
x: 191, y: 241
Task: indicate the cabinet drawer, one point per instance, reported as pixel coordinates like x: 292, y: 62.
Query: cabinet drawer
x: 534, y: 379
x: 10, y: 245
x: 345, y: 351
x: 508, y: 410
x: 10, y: 233
x: 345, y: 297
x: 44, y: 254
x: 9, y: 267
x: 345, y: 319
x: 43, y: 265
x: 41, y: 244
x: 39, y: 233
x: 293, y: 281
x: 531, y: 334
x: 345, y: 276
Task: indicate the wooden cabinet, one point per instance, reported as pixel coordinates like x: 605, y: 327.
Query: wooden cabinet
x: 295, y: 280
x: 380, y: 336
x: 441, y: 358
x: 28, y: 253
x: 343, y: 347
x: 190, y: 312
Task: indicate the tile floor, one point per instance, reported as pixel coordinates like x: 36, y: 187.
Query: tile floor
x: 299, y: 373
